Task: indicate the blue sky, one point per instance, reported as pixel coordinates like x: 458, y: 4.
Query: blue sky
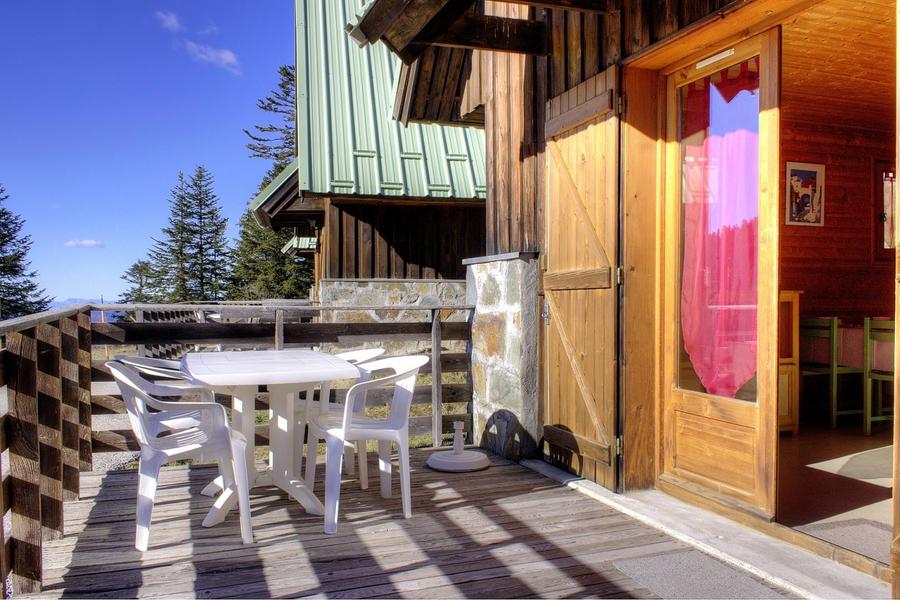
x: 102, y: 102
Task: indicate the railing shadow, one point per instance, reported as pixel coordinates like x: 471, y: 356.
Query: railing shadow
x: 505, y: 532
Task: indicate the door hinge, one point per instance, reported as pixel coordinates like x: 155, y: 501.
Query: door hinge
x: 619, y: 446
x: 545, y: 314
x: 620, y: 275
x: 620, y: 104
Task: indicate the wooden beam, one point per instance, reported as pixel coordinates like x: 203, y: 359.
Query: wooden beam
x: 588, y: 6
x: 482, y: 32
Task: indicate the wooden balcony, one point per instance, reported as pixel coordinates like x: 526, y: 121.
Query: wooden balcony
x: 53, y: 384
x: 504, y: 532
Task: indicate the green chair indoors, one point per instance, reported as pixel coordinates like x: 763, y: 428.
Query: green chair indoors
x: 827, y: 328
x: 875, y: 330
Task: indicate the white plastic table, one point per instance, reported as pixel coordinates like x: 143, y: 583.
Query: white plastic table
x: 284, y: 372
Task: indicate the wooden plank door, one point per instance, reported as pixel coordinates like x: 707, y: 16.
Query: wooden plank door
x: 579, y: 279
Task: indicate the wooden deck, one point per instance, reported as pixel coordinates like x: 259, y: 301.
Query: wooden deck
x: 504, y: 532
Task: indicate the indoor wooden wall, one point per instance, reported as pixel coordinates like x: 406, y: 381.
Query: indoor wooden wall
x: 401, y: 242
x: 838, y: 110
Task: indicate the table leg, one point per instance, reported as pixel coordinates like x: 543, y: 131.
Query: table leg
x: 283, y: 442
x: 243, y: 419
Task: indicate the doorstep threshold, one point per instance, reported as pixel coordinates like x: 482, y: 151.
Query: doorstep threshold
x: 775, y: 561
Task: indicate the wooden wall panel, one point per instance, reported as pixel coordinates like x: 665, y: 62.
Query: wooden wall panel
x: 514, y: 93
x: 398, y: 242
x: 838, y: 103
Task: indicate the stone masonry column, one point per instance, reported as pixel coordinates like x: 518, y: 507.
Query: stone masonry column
x: 504, y: 350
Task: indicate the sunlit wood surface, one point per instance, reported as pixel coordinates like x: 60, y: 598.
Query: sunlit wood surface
x: 503, y: 532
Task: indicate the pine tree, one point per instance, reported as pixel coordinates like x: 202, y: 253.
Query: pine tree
x: 261, y: 270
x: 19, y: 292
x: 208, y: 255
x: 277, y: 141
x: 190, y: 262
x: 139, y: 275
x: 168, y: 274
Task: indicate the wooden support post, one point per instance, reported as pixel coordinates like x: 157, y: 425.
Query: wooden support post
x: 437, y: 425
x: 71, y: 407
x: 139, y: 318
x: 5, y: 564
x: 279, y: 329
x: 85, y: 451
x: 20, y: 366
x: 49, y: 399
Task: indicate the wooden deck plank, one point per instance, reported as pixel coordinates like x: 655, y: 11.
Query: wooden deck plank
x: 502, y: 532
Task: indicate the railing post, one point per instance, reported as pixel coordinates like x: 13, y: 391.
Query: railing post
x: 49, y: 399
x: 279, y: 329
x: 139, y: 318
x: 437, y: 424
x: 21, y: 432
x: 71, y: 407
x: 85, y: 442
x: 5, y: 481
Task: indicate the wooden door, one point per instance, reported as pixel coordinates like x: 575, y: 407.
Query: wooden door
x: 580, y: 254
x: 720, y: 277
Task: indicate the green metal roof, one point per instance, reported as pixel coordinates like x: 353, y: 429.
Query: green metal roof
x: 348, y: 142
x: 274, y: 185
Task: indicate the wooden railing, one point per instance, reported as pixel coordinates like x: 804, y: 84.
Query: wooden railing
x: 53, y: 387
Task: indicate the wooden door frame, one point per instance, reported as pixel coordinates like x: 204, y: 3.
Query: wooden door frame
x: 759, y: 417
x: 895, y: 540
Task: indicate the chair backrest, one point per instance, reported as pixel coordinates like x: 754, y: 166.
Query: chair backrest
x: 403, y: 372
x: 157, y: 367
x: 131, y: 385
x: 824, y: 328
x: 875, y: 330
x: 360, y: 356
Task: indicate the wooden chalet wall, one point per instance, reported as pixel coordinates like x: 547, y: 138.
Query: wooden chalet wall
x: 400, y: 242
x: 515, y: 89
x: 838, y: 110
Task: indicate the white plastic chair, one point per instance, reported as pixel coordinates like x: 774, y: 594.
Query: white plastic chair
x: 305, y: 410
x: 209, y: 437
x: 339, y: 428
x: 157, y: 367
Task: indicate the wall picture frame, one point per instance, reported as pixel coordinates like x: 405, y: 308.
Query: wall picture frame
x: 805, y: 194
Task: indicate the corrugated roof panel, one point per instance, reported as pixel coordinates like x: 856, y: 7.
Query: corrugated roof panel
x: 347, y: 139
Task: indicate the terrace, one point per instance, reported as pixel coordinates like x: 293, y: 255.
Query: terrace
x: 68, y: 529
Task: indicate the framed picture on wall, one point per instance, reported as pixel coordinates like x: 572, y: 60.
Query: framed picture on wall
x: 805, y: 194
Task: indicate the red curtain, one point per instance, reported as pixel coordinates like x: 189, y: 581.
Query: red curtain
x: 720, y: 142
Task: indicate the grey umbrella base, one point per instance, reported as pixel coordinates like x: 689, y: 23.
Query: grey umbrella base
x: 458, y: 460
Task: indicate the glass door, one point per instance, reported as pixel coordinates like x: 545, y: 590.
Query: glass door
x: 721, y: 297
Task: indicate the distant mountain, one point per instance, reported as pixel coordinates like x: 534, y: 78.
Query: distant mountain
x: 70, y: 301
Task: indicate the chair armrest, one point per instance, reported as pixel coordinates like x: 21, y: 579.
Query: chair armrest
x: 168, y: 391
x: 214, y: 413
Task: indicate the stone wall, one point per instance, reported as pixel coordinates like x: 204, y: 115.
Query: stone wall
x: 393, y: 292
x: 505, y: 366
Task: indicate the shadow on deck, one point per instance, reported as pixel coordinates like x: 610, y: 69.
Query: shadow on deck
x: 504, y: 532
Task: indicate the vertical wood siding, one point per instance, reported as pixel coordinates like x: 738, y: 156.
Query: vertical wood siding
x: 401, y: 242
x: 515, y: 90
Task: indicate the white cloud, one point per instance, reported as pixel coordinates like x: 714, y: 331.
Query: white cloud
x: 85, y: 244
x: 168, y: 20
x: 220, y: 57
x: 210, y: 29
